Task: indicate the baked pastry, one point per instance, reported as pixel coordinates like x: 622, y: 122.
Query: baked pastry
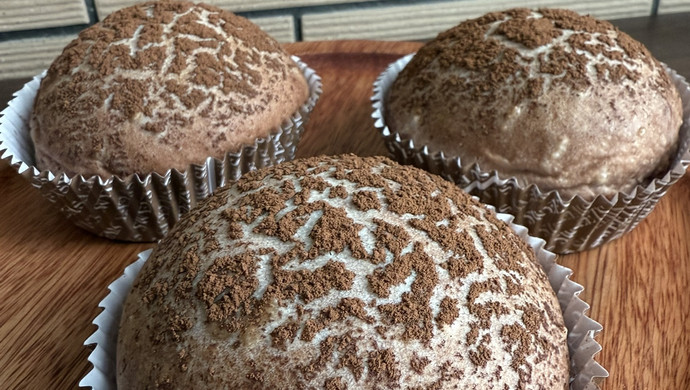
x: 549, y: 97
x: 342, y: 272
x: 161, y: 85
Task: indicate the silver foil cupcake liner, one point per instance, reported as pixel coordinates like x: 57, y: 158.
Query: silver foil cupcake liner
x: 585, y: 372
x: 568, y: 225
x: 142, y: 207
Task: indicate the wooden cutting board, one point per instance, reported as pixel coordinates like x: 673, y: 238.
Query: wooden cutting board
x: 52, y: 274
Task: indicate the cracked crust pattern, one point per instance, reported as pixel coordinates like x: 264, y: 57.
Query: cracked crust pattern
x: 160, y: 85
x: 399, y: 281
x: 550, y: 97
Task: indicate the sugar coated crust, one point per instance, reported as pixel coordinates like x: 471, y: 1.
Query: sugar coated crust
x: 161, y: 85
x: 548, y: 96
x: 342, y: 272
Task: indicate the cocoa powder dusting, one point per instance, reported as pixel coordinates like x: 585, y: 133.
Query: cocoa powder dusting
x: 187, y: 272
x: 350, y: 357
x: 530, y: 32
x: 467, y: 261
x: 226, y: 289
x: 418, y: 363
x: 255, y: 376
x: 383, y: 366
x: 413, y: 312
x: 260, y: 284
x: 391, y: 237
x: 480, y: 356
x: 284, y: 334
x: 118, y: 69
x: 174, y: 326
x: 308, y: 285
x: 334, y: 384
x: 314, y: 183
x: 183, y: 359
x: 504, y: 249
x: 366, y: 200
x: 449, y: 311
x: 335, y: 231
x: 515, y: 336
x: 338, y: 192
x: 485, y: 311
x: 473, y: 334
x: 477, y: 45
x: 348, y: 307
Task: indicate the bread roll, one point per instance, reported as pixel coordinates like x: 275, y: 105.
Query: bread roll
x: 342, y: 272
x: 161, y: 85
x: 550, y: 97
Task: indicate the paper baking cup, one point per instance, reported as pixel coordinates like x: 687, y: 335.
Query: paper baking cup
x: 142, y: 207
x: 585, y: 372
x: 568, y: 225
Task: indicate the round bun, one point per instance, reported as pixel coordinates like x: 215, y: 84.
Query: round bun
x: 342, y: 272
x: 550, y: 97
x: 161, y: 85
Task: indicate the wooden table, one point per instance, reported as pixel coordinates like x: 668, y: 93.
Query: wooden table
x: 52, y: 274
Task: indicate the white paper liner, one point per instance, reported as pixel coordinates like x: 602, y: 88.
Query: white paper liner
x: 567, y: 225
x: 104, y: 339
x: 585, y: 372
x: 142, y: 207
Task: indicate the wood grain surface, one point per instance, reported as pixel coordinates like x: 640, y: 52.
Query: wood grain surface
x: 52, y: 275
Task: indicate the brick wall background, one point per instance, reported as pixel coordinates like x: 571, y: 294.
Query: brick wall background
x: 33, y: 32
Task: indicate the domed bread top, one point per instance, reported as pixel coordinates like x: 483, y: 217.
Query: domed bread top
x: 342, y: 272
x: 550, y: 97
x: 160, y: 85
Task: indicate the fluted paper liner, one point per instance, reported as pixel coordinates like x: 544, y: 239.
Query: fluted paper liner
x: 142, y: 207
x: 585, y: 372
x: 568, y: 225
